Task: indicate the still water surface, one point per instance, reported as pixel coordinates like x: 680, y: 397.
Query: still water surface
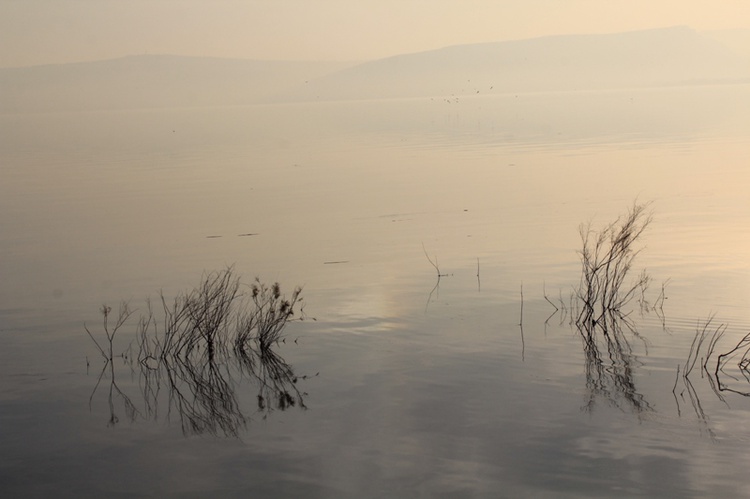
x: 470, y: 385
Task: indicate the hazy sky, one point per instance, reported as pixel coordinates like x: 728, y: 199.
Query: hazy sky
x: 54, y: 31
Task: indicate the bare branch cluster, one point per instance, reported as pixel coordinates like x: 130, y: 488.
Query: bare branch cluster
x: 216, y: 317
x: 206, y: 334
x: 607, y: 259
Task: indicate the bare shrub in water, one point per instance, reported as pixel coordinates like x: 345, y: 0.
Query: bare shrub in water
x: 200, y: 320
x: 607, y: 258
x: 204, y: 332
x: 217, y: 316
x: 264, y: 321
x: 110, y: 331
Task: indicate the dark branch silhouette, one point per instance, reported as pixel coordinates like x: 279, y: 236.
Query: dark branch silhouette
x: 211, y: 339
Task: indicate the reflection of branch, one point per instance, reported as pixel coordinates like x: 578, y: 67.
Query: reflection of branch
x: 694, y: 401
x: 698, y: 408
x: 114, y: 393
x: 202, y: 393
x: 432, y: 292
x: 276, y: 379
x: 201, y: 389
x: 612, y: 379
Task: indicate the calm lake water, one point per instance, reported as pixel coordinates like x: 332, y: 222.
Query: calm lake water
x: 470, y: 385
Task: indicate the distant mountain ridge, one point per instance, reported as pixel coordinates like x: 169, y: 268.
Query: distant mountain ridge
x: 147, y: 81
x: 668, y: 56
x: 738, y: 40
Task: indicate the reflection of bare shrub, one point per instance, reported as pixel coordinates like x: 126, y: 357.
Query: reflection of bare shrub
x: 607, y: 258
x: 277, y: 382
x: 202, y: 394
x: 610, y: 362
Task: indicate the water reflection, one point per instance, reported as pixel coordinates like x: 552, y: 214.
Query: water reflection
x: 695, y: 403
x: 212, y: 343
x: 114, y: 395
x: 200, y: 391
x: 610, y: 362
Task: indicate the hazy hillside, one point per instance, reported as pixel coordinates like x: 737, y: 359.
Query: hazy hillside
x: 667, y: 56
x: 738, y: 40
x: 150, y: 81
x: 643, y: 58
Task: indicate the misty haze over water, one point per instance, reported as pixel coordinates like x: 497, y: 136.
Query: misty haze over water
x: 430, y: 206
